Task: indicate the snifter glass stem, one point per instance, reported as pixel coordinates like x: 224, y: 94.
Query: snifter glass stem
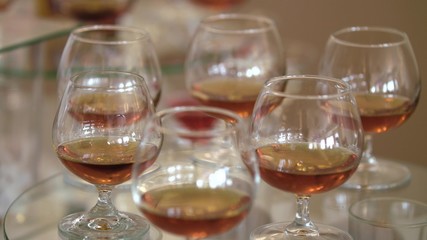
x: 368, y: 157
x: 302, y: 224
x: 104, y: 215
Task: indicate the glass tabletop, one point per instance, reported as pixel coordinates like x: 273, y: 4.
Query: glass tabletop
x: 34, y: 215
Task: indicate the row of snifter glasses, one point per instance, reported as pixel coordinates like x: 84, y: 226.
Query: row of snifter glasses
x: 106, y: 123
x: 294, y: 120
x: 232, y: 55
x: 90, y: 112
x: 306, y: 138
x: 377, y: 63
x: 206, y: 180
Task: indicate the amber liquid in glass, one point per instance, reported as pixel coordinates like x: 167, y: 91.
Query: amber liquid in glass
x: 195, y: 212
x: 101, y: 160
x: 380, y: 112
x: 107, y: 109
x: 235, y: 94
x: 301, y: 169
x: 218, y: 4
x: 96, y: 10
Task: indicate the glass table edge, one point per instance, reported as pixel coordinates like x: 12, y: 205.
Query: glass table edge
x: 40, y: 39
x: 24, y: 193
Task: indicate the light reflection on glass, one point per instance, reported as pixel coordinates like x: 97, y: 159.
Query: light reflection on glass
x: 253, y: 72
x: 218, y: 178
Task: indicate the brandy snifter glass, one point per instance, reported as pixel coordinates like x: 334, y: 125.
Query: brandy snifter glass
x: 207, y: 178
x: 307, y: 134
x: 380, y: 66
x: 230, y: 58
x: 96, y: 132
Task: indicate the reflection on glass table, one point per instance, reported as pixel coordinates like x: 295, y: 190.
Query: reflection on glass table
x: 35, y: 214
x: 28, y: 46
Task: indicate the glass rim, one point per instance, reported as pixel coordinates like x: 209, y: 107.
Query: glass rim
x: 267, y: 23
x: 140, y: 34
x: 351, y: 211
x: 358, y: 29
x: 238, y: 121
x: 345, y: 88
x: 139, y: 79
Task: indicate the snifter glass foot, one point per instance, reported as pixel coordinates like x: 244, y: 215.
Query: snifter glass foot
x: 380, y: 175
x: 123, y: 226
x: 276, y: 231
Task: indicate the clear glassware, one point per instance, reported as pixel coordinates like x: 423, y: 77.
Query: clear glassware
x: 308, y: 137
x: 110, y: 47
x: 380, y: 66
x: 388, y: 218
x: 95, y: 134
x: 230, y: 58
x: 207, y: 177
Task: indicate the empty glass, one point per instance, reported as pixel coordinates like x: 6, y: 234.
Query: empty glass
x: 388, y: 218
